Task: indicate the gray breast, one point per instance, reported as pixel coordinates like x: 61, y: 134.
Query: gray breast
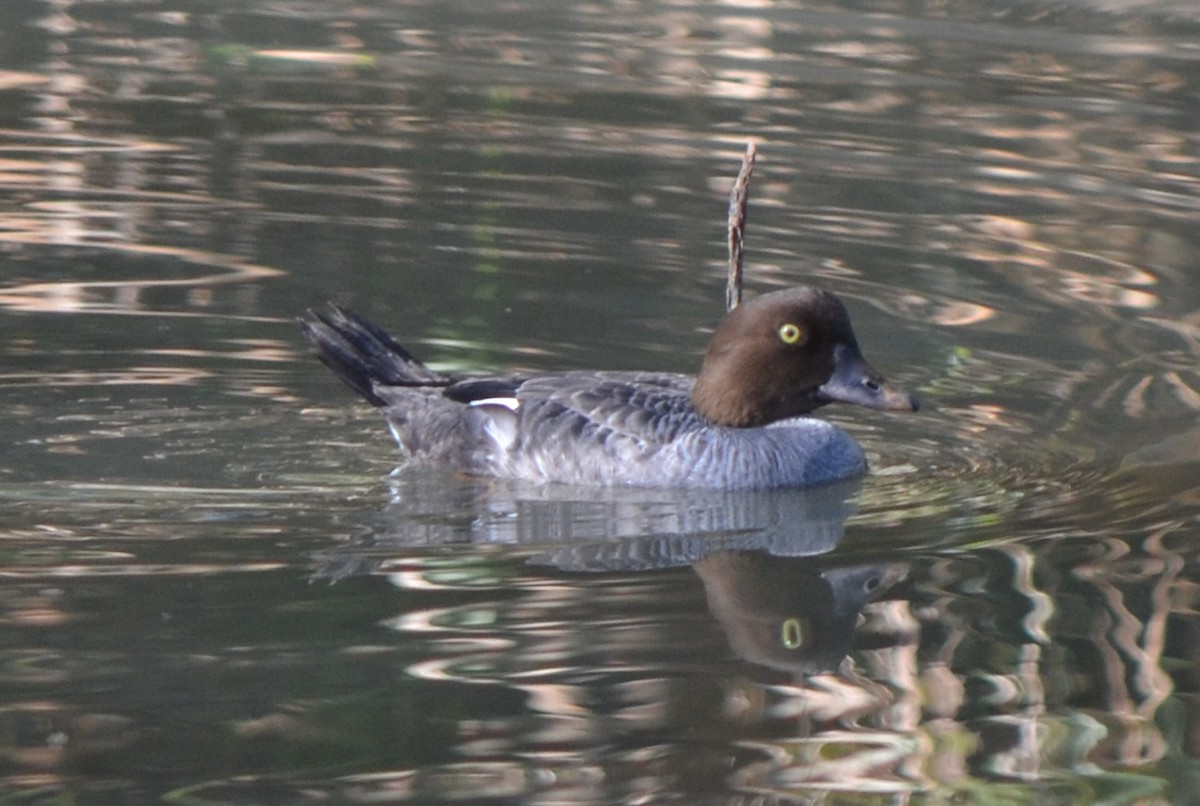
x: 800, y: 452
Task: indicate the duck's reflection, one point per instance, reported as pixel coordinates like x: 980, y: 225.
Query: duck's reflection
x: 789, y: 613
x: 763, y: 557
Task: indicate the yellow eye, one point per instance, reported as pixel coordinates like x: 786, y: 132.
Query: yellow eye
x: 791, y: 633
x: 791, y: 334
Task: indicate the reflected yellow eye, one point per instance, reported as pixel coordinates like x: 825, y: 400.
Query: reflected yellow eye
x: 791, y: 633
x: 791, y: 334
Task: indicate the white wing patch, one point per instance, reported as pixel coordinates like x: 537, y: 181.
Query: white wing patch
x: 510, y: 403
x: 496, y: 417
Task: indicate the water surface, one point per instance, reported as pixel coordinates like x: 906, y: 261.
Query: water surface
x: 218, y: 590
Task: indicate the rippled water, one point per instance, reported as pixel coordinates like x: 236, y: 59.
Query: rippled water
x: 218, y: 591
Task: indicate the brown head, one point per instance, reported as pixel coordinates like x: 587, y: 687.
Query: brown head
x: 784, y: 354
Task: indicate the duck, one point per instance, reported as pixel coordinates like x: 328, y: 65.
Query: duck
x: 744, y: 422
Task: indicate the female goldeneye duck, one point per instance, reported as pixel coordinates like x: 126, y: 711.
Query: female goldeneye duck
x: 742, y: 423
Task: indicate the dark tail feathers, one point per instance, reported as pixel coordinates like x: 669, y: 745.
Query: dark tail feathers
x: 363, y: 354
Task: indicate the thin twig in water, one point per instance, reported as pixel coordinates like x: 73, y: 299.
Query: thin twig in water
x: 738, y: 199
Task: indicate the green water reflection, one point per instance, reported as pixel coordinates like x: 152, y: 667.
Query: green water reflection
x: 214, y: 592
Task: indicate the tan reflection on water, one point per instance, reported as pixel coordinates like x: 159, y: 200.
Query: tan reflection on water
x: 138, y: 376
x: 981, y: 670
x: 125, y: 295
x: 949, y: 693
